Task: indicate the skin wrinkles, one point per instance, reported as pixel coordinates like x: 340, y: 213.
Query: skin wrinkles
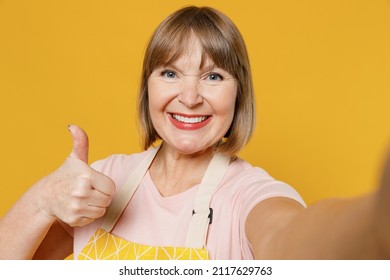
x: 189, y: 91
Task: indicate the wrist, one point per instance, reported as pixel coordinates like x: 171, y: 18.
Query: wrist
x: 41, y: 197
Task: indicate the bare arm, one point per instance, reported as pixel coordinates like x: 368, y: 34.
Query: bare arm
x: 355, y: 228
x: 57, y: 245
x: 26, y: 232
x: 23, y: 228
x: 74, y: 194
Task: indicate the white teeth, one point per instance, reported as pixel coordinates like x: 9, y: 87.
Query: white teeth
x: 189, y: 120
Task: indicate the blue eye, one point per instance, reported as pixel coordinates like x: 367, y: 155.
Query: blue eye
x: 168, y: 74
x: 215, y: 77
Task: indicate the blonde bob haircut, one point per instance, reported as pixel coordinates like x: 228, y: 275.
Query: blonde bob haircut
x: 223, y: 44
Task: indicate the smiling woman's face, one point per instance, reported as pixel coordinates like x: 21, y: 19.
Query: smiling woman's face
x: 191, y: 107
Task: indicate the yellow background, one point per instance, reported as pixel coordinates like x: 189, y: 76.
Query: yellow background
x: 321, y: 71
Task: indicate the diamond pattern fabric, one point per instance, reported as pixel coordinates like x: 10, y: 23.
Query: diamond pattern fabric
x: 106, y: 246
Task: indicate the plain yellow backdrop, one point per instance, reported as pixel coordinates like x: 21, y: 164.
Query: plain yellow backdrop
x: 321, y: 72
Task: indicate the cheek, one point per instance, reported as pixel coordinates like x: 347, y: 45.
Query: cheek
x: 155, y: 97
x: 228, y: 105
x: 151, y: 92
x: 155, y: 112
x: 159, y: 95
x: 227, y: 102
x: 152, y: 101
x: 159, y: 98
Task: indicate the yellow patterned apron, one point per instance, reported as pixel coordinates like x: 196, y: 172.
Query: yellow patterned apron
x: 105, y: 246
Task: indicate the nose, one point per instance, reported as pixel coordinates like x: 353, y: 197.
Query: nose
x: 189, y: 94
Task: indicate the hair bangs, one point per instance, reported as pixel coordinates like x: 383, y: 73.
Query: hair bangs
x: 172, y: 41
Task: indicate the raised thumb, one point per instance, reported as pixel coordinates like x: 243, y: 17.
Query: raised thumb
x: 80, y: 143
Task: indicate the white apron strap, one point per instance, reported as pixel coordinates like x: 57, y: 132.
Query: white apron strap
x: 202, y: 213
x: 124, y: 195
x: 197, y: 232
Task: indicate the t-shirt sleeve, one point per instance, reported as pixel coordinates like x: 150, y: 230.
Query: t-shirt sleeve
x: 257, y: 192
x: 242, y: 188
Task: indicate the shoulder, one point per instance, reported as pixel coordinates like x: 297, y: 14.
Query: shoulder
x: 254, y: 184
x: 118, y: 166
x: 243, y: 171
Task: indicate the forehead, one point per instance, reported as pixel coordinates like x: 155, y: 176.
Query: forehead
x: 193, y: 55
x: 188, y: 50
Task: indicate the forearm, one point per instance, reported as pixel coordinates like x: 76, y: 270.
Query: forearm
x: 74, y: 194
x: 331, y: 229
x: 24, y: 227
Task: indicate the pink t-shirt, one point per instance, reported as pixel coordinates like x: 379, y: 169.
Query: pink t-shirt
x: 151, y: 219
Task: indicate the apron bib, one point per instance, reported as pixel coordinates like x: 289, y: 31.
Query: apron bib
x: 104, y: 245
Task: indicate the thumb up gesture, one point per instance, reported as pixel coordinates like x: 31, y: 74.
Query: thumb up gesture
x: 75, y: 193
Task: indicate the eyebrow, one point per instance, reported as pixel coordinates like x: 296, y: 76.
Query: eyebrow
x: 203, y: 67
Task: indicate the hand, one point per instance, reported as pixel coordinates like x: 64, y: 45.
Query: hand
x: 75, y: 193
x: 383, y: 210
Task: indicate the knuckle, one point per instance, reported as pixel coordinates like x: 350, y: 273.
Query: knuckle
x: 108, y: 201
x: 72, y: 221
x: 98, y: 212
x: 77, y: 193
x: 110, y: 186
x: 113, y: 187
x: 82, y: 189
x: 75, y: 207
x: 101, y: 212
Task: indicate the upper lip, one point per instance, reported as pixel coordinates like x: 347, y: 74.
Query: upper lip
x: 190, y: 115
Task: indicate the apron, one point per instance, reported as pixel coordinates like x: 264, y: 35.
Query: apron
x: 104, y: 245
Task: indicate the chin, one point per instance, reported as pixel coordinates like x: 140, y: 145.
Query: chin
x: 188, y: 150
x: 189, y: 147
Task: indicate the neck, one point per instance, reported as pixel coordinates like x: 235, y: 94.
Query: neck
x: 173, y: 172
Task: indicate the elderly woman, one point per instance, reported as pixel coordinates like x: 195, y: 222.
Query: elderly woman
x: 188, y: 196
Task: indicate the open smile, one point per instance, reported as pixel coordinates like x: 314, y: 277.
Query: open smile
x: 184, y: 119
x: 189, y: 122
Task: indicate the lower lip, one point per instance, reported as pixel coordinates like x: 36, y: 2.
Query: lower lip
x: 188, y: 126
